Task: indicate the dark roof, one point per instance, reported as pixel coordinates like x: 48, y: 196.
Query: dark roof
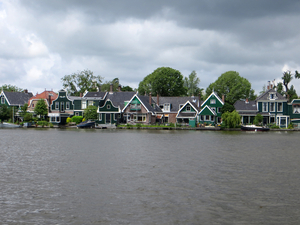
x: 118, y: 98
x: 243, y: 106
x: 145, y: 101
x: 265, y: 96
x: 17, y: 98
x: 176, y: 101
x: 95, y: 94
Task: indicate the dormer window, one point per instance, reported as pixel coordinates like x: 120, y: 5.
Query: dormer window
x: 167, y: 107
x: 188, y: 108
x: 272, y: 96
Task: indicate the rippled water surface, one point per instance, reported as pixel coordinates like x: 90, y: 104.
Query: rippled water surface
x: 57, y: 176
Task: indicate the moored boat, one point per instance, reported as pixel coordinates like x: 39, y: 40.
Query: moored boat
x: 254, y: 128
x: 86, y: 124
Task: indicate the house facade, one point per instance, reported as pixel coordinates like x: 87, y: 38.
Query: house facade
x: 47, y: 96
x: 210, y: 112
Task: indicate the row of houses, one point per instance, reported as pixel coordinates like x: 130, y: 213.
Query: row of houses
x: 130, y: 107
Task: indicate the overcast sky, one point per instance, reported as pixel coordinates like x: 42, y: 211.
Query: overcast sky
x: 43, y: 40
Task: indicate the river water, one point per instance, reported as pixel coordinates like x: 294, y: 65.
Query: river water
x: 63, y: 176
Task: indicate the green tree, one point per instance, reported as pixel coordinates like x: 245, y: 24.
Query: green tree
x: 227, y: 108
x: 164, y: 81
x: 90, y: 113
x: 4, y: 113
x: 115, y: 85
x: 232, y: 86
x: 81, y: 81
x: 287, y: 77
x: 191, y: 84
x: 231, y: 119
x: 41, y: 108
x: 11, y: 88
x: 258, y: 119
x: 126, y: 88
x: 23, y: 110
x: 279, y: 89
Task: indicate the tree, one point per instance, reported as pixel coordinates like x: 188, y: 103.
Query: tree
x: 41, y: 108
x: 191, y: 84
x: 164, y: 81
x: 90, y: 113
x: 81, y: 81
x: 258, y: 119
x: 232, y: 86
x: 126, y: 88
x: 287, y: 77
x: 4, y: 113
x: 115, y: 85
x: 11, y: 88
x: 227, y: 108
x: 23, y: 110
x: 231, y: 119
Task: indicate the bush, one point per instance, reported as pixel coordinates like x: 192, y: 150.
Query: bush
x: 27, y: 117
x: 69, y: 120
x: 76, y: 119
x: 274, y: 126
x: 172, y: 125
x: 128, y: 126
x: 51, y: 125
x: 138, y: 125
x: 43, y: 123
x: 291, y: 126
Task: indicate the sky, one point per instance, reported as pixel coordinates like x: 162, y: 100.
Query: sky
x: 41, y: 41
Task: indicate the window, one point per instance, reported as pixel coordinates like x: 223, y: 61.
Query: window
x: 90, y: 103
x: 213, y: 101
x: 180, y: 106
x: 272, y: 119
x: 272, y: 107
x: 62, y: 106
x: 108, y: 106
x: 2, y: 100
x: 167, y: 107
x: 279, y: 106
x: 56, y: 105
x: 212, y: 118
x: 67, y: 105
x: 265, y: 107
x: 207, y: 118
x: 100, y: 116
x: 219, y: 109
x: 83, y: 104
x: 57, y: 119
x: 296, y: 109
x: 52, y: 119
x: 202, y: 118
x: 76, y: 113
x: 213, y: 109
x: 188, y: 108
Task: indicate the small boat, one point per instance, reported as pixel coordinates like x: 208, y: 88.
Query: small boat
x: 86, y: 124
x: 9, y: 125
x: 254, y: 128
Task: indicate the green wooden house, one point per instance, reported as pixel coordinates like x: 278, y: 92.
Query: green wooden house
x: 294, y: 112
x: 187, y: 114
x: 210, y: 112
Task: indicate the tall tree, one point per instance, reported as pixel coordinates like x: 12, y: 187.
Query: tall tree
x: 191, y: 84
x: 232, y: 86
x: 81, y: 81
x: 164, y: 81
x: 126, y: 88
x: 9, y: 87
x: 41, y: 108
x: 287, y: 77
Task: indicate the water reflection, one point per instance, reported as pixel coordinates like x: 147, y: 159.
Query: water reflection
x: 148, y: 177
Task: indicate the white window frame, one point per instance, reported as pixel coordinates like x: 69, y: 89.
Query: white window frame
x: 100, y: 116
x: 67, y: 105
x: 267, y: 106
x: 90, y: 103
x: 213, y: 101
x: 83, y: 104
x: 272, y: 104
x: 56, y: 105
x: 2, y: 100
x: 278, y: 107
x: 167, y: 107
x: 188, y: 108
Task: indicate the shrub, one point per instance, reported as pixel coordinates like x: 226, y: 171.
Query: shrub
x: 172, y: 125
x: 291, y: 126
x: 138, y: 125
x: 274, y: 126
x: 51, y: 125
x: 128, y: 126
x: 76, y: 119
x: 27, y: 117
x: 69, y: 120
x: 42, y: 123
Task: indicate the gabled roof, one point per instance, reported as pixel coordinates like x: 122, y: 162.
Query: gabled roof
x: 17, y: 98
x: 265, y: 96
x: 145, y: 102
x: 244, y: 106
x: 119, y: 98
x: 181, y: 114
x: 176, y: 101
x: 209, y: 109
x: 213, y: 93
x: 44, y: 95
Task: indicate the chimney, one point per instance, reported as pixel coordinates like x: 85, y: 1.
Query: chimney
x: 268, y: 86
x: 223, y: 98
x: 80, y: 95
x: 199, y: 100
x: 247, y: 101
x: 111, y: 88
x: 157, y: 99
x: 119, y: 88
x: 26, y: 91
x: 49, y: 102
x: 150, y: 98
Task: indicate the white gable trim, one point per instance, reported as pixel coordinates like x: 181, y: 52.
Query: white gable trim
x: 213, y: 93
